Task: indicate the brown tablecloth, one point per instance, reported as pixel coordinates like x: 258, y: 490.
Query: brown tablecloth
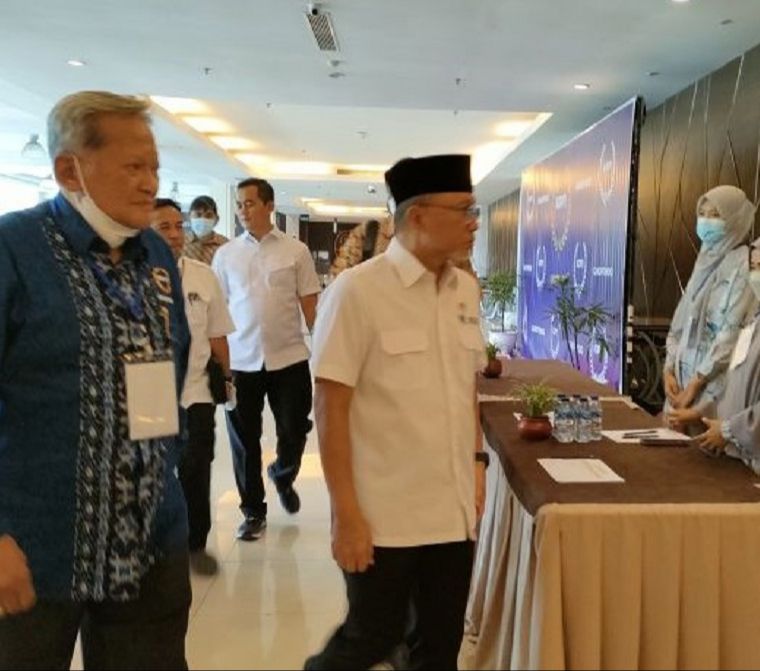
x: 563, y: 377
x: 658, y: 572
x: 651, y: 474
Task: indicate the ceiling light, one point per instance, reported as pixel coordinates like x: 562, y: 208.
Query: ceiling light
x: 581, y: 87
x: 75, y: 63
x: 208, y: 124
x: 233, y: 142
x: 256, y: 160
x: 512, y: 129
x: 681, y: 1
x: 335, y: 210
x: 306, y: 168
x: 33, y: 150
x: 181, y: 105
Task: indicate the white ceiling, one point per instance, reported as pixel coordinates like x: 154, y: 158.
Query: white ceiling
x: 401, y: 58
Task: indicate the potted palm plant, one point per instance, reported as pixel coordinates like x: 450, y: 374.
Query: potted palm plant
x: 581, y: 326
x: 538, y: 401
x: 493, y: 367
x: 500, y: 292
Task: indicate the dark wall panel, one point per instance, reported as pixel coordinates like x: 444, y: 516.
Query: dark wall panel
x: 708, y: 134
x: 503, y: 220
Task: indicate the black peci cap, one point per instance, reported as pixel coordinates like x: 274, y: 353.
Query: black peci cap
x: 412, y: 177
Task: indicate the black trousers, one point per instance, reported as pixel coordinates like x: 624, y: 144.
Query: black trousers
x: 289, y: 392
x: 145, y: 634
x: 438, y: 576
x: 195, y: 472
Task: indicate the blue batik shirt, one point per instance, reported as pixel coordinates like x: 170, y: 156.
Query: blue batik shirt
x: 91, y: 509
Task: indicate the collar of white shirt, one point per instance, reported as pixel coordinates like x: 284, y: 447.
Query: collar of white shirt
x: 410, y: 269
x: 275, y: 233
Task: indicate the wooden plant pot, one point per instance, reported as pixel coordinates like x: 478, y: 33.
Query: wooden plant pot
x: 534, y: 428
x: 493, y: 368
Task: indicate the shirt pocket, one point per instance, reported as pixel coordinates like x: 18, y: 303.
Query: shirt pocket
x: 472, y: 348
x: 406, y: 361
x: 282, y: 278
x: 197, y: 314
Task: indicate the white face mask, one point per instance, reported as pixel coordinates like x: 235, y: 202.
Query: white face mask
x: 754, y: 282
x: 109, y: 230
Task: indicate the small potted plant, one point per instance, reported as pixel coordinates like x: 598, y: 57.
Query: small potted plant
x: 538, y: 401
x: 500, y: 291
x: 493, y: 367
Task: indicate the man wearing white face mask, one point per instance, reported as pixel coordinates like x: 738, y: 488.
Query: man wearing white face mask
x: 716, y: 304
x: 733, y: 424
x: 93, y: 353
x: 204, y: 241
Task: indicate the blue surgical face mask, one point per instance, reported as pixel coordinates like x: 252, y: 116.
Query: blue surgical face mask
x: 202, y: 227
x: 710, y: 231
x: 754, y: 282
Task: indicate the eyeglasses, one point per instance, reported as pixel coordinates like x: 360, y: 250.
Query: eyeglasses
x: 469, y: 211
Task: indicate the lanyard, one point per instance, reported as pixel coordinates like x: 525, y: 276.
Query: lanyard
x: 133, y: 304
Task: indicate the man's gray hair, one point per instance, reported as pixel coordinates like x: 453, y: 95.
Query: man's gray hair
x: 72, y: 124
x: 399, y: 216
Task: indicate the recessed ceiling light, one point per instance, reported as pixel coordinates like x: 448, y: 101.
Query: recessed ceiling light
x: 336, y: 75
x: 654, y: 73
x: 581, y: 87
x: 726, y: 22
x: 681, y: 1
x: 76, y: 63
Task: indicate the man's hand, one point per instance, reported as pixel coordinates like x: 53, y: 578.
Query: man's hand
x: 352, y: 545
x: 712, y: 440
x: 480, y: 489
x: 16, y: 589
x: 672, y: 390
x: 679, y: 419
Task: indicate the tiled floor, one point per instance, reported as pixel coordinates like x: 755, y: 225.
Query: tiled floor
x: 275, y: 601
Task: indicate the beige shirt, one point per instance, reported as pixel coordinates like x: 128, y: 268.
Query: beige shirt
x: 410, y: 349
x: 203, y: 249
x: 263, y: 281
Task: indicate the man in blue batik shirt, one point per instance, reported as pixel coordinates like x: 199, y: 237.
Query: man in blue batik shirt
x: 93, y: 336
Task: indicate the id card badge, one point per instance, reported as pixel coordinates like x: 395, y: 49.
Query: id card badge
x: 151, y: 398
x: 742, y: 347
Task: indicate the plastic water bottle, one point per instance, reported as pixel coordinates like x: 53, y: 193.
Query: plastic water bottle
x: 595, y: 411
x: 583, y: 422
x: 564, y: 421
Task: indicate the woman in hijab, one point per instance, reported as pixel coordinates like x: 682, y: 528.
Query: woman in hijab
x: 717, y: 302
x: 732, y: 426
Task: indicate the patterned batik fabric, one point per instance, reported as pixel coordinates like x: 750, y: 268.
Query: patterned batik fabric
x: 119, y: 482
x: 203, y: 250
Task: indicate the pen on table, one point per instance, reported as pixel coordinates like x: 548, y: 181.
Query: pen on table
x: 640, y: 434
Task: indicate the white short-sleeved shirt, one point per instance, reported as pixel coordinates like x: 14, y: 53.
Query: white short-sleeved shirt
x: 208, y: 317
x: 410, y: 349
x: 263, y: 281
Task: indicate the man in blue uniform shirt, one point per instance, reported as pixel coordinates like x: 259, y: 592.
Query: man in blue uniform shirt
x: 93, y: 350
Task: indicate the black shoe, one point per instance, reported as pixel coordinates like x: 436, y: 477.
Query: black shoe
x: 288, y: 496
x: 252, y: 529
x: 203, y: 563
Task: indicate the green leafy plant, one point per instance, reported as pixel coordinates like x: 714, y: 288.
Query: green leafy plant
x: 537, y: 398
x: 491, y: 351
x: 579, y: 325
x: 501, y: 289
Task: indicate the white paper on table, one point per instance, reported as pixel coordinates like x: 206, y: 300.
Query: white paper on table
x: 660, y: 434
x: 494, y: 397
x: 579, y: 470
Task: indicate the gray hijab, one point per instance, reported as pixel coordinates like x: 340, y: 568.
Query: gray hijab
x: 739, y: 214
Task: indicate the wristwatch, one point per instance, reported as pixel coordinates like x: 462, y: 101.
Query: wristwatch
x: 483, y: 457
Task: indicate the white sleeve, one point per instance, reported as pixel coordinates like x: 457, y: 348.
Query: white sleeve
x: 341, y: 334
x: 306, y: 274
x: 218, y: 267
x: 219, y: 320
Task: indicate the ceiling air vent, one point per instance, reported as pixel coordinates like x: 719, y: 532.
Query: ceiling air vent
x: 322, y: 28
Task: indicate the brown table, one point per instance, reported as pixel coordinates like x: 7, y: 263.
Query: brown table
x: 661, y: 571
